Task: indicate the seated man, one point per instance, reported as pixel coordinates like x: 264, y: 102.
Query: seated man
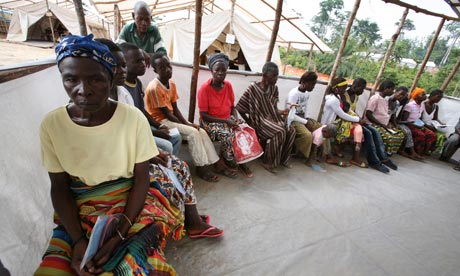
x: 298, y: 99
x: 451, y: 145
x: 258, y: 107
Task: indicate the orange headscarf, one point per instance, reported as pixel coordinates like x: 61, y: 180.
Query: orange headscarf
x: 417, y: 91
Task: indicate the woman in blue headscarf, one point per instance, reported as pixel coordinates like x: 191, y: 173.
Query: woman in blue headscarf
x: 97, y: 153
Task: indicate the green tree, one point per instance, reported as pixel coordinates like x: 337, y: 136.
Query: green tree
x: 366, y: 33
x: 330, y: 13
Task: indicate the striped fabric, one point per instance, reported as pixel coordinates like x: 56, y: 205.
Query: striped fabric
x: 261, y: 109
x: 111, y: 198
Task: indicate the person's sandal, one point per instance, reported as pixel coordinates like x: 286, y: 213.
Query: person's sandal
x: 245, y: 170
x: 209, y: 176
x: 227, y: 172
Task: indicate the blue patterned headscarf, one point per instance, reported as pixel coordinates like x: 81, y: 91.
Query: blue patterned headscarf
x: 85, y: 46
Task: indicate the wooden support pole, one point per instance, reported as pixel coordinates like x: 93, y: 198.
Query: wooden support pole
x: 196, y: 60
x: 338, y: 58
x: 276, y: 26
x: 49, y: 14
x: 346, y: 33
x: 116, y: 21
x: 389, y: 49
x: 310, y: 54
x: 81, y: 16
x: 427, y: 55
x: 287, y: 54
x: 451, y: 75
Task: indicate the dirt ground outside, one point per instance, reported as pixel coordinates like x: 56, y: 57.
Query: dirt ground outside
x: 16, y: 53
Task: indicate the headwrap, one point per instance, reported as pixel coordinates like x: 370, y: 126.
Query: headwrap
x: 340, y: 84
x: 85, y: 46
x: 417, y: 91
x: 217, y: 57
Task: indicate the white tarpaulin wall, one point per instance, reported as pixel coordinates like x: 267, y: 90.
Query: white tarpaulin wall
x: 348, y: 221
x: 179, y: 37
x: 24, y: 17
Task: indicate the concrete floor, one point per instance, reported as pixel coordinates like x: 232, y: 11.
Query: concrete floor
x: 347, y: 221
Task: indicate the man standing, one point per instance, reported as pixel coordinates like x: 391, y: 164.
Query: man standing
x: 142, y: 33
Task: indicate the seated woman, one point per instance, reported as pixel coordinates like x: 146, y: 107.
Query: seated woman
x: 395, y: 105
x: 332, y: 109
x: 378, y: 115
x: 218, y: 115
x: 258, y: 107
x: 431, y: 120
x: 424, y: 139
x: 97, y: 154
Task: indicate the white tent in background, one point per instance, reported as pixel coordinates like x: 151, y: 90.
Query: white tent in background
x: 179, y: 35
x: 30, y: 22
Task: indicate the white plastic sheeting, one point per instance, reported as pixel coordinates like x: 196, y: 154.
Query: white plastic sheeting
x: 179, y: 35
x: 348, y: 221
x: 26, y: 16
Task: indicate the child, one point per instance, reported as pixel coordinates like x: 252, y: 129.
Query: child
x: 298, y: 99
x: 135, y: 65
x: 345, y: 129
x: 319, y: 136
x: 161, y: 103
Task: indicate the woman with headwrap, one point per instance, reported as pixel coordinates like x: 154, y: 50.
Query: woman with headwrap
x: 97, y: 153
x: 218, y: 115
x: 333, y: 108
x: 424, y: 139
x: 258, y: 107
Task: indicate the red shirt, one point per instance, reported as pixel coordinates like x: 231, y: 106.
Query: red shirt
x: 217, y: 104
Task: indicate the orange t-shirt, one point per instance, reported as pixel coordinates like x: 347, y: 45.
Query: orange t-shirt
x: 158, y: 96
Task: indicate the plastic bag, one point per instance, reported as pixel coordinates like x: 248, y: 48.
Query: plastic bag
x: 290, y: 117
x: 245, y: 144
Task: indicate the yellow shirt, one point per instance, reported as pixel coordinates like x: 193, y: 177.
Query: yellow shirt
x: 96, y: 154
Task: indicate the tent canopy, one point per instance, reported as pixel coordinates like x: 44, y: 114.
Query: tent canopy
x: 178, y: 35
x: 25, y: 21
x: 293, y: 30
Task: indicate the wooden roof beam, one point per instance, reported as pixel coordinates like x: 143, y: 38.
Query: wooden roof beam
x: 294, y: 25
x: 271, y: 20
x: 417, y: 9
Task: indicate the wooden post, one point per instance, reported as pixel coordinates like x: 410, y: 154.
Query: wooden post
x: 389, y: 49
x: 81, y: 16
x: 310, y: 54
x: 346, y: 33
x: 427, y: 55
x: 451, y: 75
x: 276, y: 26
x: 338, y: 58
x: 116, y: 21
x: 49, y: 14
x: 287, y: 54
x: 196, y: 60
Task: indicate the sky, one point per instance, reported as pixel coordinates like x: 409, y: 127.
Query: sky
x: 385, y: 15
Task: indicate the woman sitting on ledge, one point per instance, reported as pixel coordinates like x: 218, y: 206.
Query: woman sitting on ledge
x: 97, y: 153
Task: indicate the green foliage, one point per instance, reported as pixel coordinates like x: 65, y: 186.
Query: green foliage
x: 356, y: 62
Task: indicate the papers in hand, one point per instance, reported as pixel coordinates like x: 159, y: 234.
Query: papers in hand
x: 172, y: 175
x: 419, y: 123
x: 173, y: 131
x: 104, y: 228
x: 391, y: 131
